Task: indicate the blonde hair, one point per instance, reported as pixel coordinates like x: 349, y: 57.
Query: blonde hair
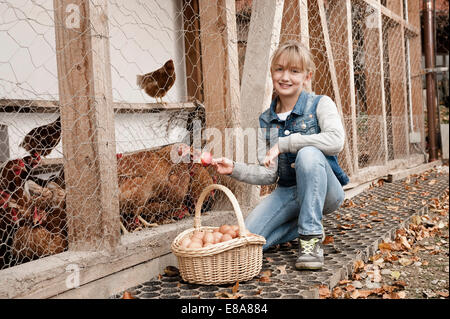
x: 297, y: 55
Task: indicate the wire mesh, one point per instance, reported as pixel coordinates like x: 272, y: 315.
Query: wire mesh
x: 163, y: 78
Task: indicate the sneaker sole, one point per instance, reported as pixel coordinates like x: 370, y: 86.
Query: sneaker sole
x: 308, y: 265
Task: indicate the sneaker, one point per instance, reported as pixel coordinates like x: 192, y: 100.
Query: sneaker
x: 310, y: 254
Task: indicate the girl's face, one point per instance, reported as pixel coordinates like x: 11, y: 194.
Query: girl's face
x: 288, y: 80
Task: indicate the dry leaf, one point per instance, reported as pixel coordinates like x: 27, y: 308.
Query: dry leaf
x: 395, y: 274
x: 235, y: 288
x: 337, y: 292
x: 127, y: 295
x: 328, y: 240
x: 374, y: 213
x: 405, y: 261
x: 404, y: 242
x: 264, y: 279
x: 393, y: 208
x: 344, y: 282
x: 349, y: 288
x: 269, y: 259
x: 358, y: 265
x: 442, y: 293
x: 324, y: 292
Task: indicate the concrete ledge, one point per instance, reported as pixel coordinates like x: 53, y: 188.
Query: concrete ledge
x: 137, y: 256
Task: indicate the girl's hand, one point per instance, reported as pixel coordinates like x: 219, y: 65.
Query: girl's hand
x: 223, y: 166
x: 272, y: 154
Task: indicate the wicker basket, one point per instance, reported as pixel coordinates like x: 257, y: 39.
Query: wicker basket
x: 238, y: 259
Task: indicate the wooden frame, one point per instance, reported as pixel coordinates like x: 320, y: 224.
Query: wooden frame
x: 84, y: 78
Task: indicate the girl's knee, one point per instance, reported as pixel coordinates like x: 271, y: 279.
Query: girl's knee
x: 309, y: 158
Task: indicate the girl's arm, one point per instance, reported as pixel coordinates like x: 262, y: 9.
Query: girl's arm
x: 331, y: 138
x: 253, y: 173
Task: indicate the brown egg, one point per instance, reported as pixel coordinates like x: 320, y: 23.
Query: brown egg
x: 235, y: 228
x: 197, y: 240
x: 226, y: 237
x: 208, y: 238
x: 208, y: 244
x: 195, y: 244
x: 198, y: 234
x: 185, y: 242
x: 232, y: 233
x: 217, y: 237
x: 224, y: 229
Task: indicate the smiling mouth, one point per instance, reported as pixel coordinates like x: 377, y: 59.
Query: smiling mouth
x: 284, y: 85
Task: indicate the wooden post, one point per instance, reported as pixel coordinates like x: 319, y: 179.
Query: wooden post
x: 256, y: 84
x: 325, y: 79
x: 415, y: 60
x: 374, y: 74
x: 193, y: 62
x: 397, y: 76
x: 84, y: 79
x: 219, y: 62
x: 340, y: 17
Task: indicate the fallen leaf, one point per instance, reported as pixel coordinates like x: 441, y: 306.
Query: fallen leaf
x: 395, y: 274
x: 269, y: 259
x: 235, y: 288
x: 324, y: 292
x: 442, y: 293
x: 363, y: 215
x: 393, y: 208
x: 337, y: 292
x: 349, y: 288
x: 264, y: 279
x: 127, y: 295
x: 344, y: 282
x: 358, y: 265
x: 328, y: 240
x: 373, y: 213
x: 405, y: 261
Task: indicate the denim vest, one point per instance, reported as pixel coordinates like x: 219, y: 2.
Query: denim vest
x: 303, y: 119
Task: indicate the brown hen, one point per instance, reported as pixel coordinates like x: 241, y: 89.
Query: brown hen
x: 41, y: 140
x: 158, y: 83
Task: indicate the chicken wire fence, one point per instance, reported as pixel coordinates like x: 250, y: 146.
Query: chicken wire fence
x: 106, y: 113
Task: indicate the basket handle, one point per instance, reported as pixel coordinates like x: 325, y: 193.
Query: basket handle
x: 237, y: 210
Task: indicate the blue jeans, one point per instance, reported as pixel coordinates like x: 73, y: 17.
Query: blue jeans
x: 290, y: 211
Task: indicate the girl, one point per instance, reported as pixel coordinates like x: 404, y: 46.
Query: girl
x: 306, y: 133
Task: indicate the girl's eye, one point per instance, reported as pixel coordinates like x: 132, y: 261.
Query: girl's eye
x: 295, y: 71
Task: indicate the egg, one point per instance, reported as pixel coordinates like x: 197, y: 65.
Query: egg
x: 225, y: 237
x: 232, y: 233
x: 198, y: 234
x: 185, y: 242
x: 197, y: 240
x: 235, y: 228
x: 195, y: 244
x: 208, y: 244
x: 208, y: 238
x: 224, y: 229
x: 217, y: 237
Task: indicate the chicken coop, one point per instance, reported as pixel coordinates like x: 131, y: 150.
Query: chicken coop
x: 91, y: 194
